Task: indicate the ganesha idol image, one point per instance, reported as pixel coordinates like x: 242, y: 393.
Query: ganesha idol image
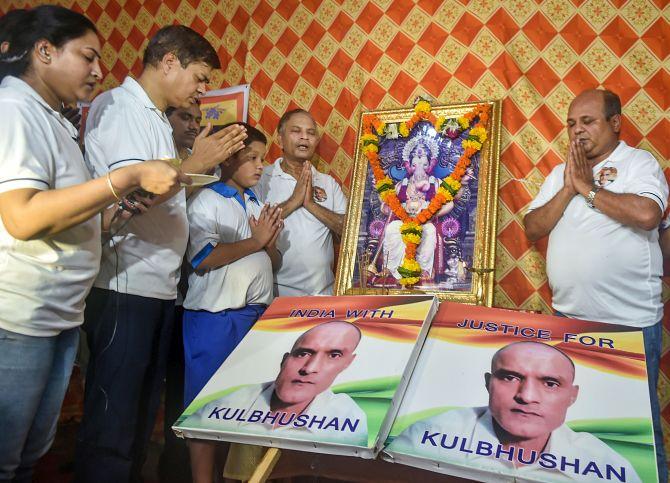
x: 423, y: 200
x: 420, y: 197
x: 415, y: 191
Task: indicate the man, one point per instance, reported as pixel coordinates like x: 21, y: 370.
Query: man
x: 313, y: 207
x: 185, y: 122
x: 603, y: 261
x: 299, y: 402
x: 174, y: 461
x: 129, y: 313
x: 522, y: 431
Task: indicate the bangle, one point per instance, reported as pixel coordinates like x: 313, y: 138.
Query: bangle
x: 111, y: 187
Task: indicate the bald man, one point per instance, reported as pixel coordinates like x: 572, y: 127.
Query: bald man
x: 601, y: 210
x: 522, y: 431
x: 298, y: 403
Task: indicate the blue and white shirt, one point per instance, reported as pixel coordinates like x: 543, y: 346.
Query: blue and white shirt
x: 218, y: 214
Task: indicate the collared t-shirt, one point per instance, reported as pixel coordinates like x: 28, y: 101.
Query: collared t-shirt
x: 218, y: 214
x: 474, y: 426
x: 317, y: 417
x: 306, y: 244
x: 144, y: 258
x: 43, y: 282
x: 598, y: 268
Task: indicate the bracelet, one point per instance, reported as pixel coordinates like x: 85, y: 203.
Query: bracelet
x: 111, y: 186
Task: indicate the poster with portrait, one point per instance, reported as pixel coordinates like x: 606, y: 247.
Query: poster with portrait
x: 221, y: 106
x: 499, y: 395
x: 422, y: 210
x: 320, y: 374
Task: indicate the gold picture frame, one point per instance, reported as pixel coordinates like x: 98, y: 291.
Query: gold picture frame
x: 461, y: 239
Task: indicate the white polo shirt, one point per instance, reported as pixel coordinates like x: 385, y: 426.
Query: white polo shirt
x: 124, y: 127
x: 218, y: 214
x: 44, y: 282
x: 306, y: 244
x: 599, y: 269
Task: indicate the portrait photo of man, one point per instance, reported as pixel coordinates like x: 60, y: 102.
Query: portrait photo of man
x: 606, y: 176
x: 522, y: 430
x: 299, y: 402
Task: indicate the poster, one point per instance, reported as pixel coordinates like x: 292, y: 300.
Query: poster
x: 322, y: 374
x: 500, y: 395
x: 222, y: 106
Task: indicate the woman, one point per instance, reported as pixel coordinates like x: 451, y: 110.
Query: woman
x: 50, y: 230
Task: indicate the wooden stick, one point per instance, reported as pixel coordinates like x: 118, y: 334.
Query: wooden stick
x: 265, y: 467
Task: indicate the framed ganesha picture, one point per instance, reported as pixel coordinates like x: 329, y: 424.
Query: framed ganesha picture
x: 423, y: 207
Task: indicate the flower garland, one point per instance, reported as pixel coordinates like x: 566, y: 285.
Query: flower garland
x: 411, y: 228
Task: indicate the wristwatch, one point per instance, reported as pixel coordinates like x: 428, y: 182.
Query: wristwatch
x: 592, y: 196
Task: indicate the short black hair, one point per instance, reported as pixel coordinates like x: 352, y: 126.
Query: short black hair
x: 612, y: 104
x: 185, y: 43
x: 253, y: 134
x: 9, y: 23
x: 288, y: 115
x: 22, y: 29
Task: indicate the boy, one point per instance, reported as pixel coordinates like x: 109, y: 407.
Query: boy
x: 232, y: 252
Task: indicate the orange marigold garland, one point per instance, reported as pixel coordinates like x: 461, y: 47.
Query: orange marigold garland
x: 411, y: 228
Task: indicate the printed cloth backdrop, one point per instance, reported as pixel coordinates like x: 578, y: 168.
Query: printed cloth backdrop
x: 336, y: 58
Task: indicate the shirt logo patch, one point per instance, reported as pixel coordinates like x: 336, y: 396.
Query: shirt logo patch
x: 605, y: 176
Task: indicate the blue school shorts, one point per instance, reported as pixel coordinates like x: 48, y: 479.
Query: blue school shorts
x: 209, y: 338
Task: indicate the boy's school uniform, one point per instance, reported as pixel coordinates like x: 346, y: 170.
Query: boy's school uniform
x: 221, y: 304
x: 218, y: 214
x: 209, y: 338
